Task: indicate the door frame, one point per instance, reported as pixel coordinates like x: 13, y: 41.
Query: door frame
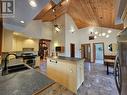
x: 71, y: 49
x: 94, y: 50
x: 90, y: 49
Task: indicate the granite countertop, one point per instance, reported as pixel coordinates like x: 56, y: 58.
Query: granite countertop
x: 66, y: 58
x: 24, y: 83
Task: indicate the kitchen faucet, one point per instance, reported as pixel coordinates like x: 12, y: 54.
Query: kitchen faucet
x: 4, y: 71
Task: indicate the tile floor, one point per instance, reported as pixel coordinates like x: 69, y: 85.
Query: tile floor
x: 96, y: 82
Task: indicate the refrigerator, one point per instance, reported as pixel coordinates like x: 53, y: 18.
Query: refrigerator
x: 120, y: 67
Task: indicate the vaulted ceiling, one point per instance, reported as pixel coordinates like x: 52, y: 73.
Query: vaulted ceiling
x: 84, y: 12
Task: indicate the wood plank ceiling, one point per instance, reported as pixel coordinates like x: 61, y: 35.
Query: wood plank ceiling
x: 84, y: 12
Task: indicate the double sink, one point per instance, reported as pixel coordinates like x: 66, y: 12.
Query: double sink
x: 12, y: 68
x: 15, y: 68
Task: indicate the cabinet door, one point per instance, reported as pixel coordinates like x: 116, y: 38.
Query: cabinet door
x: 57, y: 70
x: 80, y: 73
x: 62, y: 72
x: 72, y: 80
x: 52, y: 69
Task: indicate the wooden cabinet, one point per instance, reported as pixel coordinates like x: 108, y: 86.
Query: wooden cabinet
x: 66, y: 72
x: 72, y: 80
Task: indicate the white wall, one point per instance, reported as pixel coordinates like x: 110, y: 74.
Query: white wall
x: 71, y: 36
x: 22, y: 42
x: 39, y: 30
x: 35, y: 29
x: 81, y: 36
x: 58, y: 38
x: 84, y: 33
x: 46, y: 30
x: 17, y: 43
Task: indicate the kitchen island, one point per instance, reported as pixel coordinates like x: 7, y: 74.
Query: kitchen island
x: 67, y: 71
x: 28, y: 82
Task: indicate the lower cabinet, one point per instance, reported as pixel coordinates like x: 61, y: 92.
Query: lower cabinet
x: 68, y: 73
x: 72, y: 79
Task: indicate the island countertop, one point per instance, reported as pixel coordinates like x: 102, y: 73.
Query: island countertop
x: 66, y: 58
x: 27, y: 82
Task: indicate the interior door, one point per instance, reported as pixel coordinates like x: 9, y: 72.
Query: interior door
x: 86, y: 52
x: 98, y: 52
x: 72, y: 49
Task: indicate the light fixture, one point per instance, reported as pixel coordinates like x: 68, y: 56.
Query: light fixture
x: 103, y: 34
x: 33, y: 3
x: 124, y: 27
x: 109, y: 31
x: 53, y: 10
x: 107, y: 36
x: 22, y: 21
x: 57, y: 28
x: 95, y: 37
x: 96, y: 32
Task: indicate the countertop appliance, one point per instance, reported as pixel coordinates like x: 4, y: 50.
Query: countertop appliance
x: 121, y: 63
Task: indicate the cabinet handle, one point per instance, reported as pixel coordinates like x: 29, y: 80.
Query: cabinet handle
x: 54, y: 61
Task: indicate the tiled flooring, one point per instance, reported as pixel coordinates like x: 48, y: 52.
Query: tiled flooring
x: 96, y: 82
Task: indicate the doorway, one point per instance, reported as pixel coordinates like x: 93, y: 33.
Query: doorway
x: 86, y: 52
x: 72, y: 50
x: 44, y: 48
x: 98, y: 53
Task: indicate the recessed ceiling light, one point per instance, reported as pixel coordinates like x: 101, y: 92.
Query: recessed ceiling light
x: 33, y: 3
x: 22, y: 21
x: 109, y: 31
